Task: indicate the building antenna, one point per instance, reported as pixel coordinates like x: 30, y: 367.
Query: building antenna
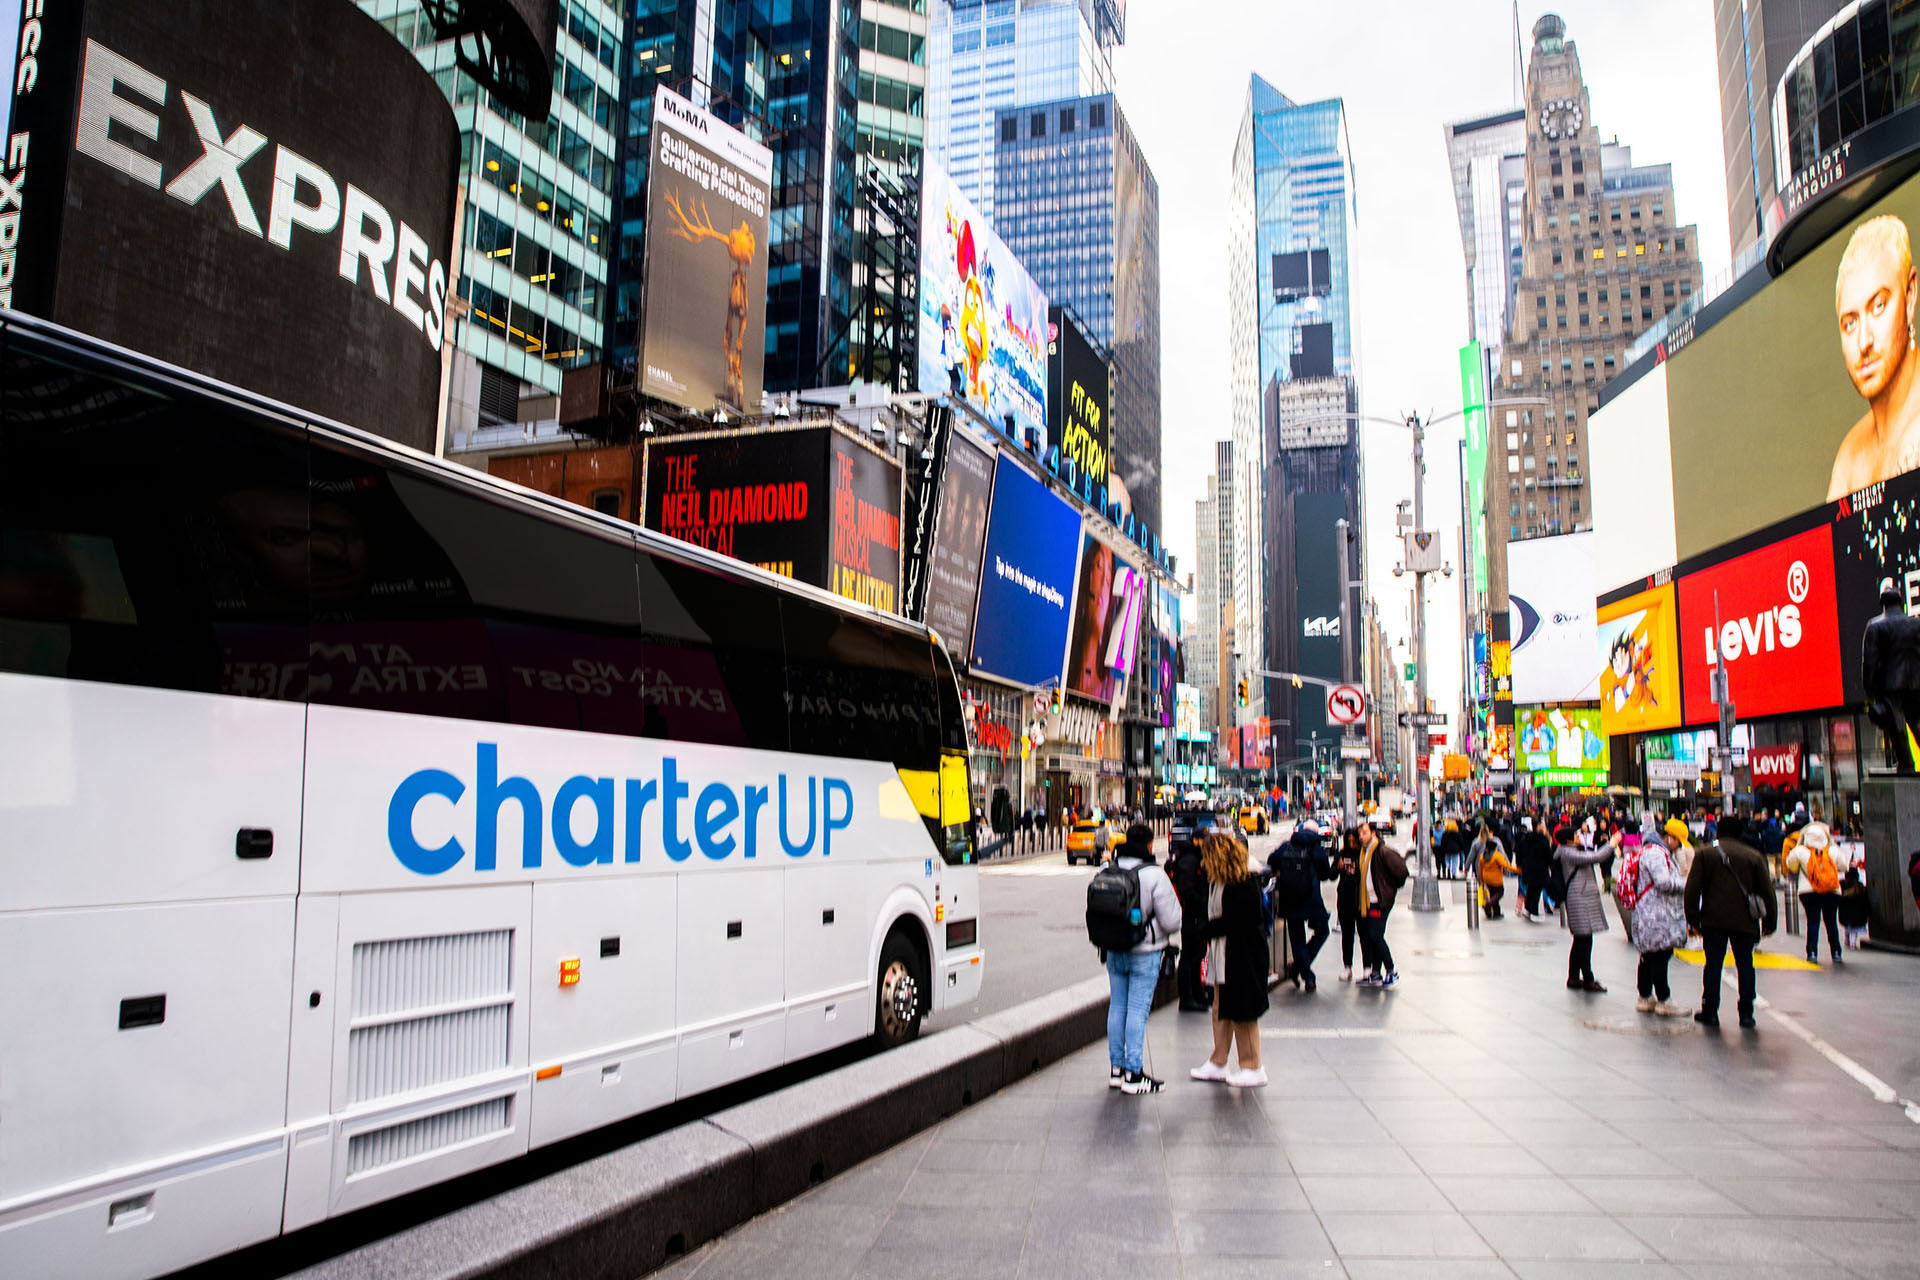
x: 1519, y: 61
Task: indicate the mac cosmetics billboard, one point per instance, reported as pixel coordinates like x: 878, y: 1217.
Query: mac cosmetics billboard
x: 708, y: 188
x: 1028, y: 579
x: 953, y: 576
x: 258, y: 190
x: 983, y: 321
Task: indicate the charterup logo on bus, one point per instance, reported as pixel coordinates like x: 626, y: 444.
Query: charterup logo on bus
x: 720, y: 821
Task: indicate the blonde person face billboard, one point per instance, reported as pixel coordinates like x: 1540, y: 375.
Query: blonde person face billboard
x: 1639, y: 663
x: 1874, y: 297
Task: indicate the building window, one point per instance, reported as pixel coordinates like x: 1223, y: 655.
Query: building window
x: 1066, y: 119
x: 1559, y: 192
x: 1038, y: 125
x: 1579, y: 188
x: 1010, y: 130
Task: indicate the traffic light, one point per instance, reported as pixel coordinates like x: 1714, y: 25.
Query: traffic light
x: 1055, y: 701
x: 1241, y: 693
x: 1296, y: 682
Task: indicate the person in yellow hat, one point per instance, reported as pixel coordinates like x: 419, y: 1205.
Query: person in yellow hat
x: 1682, y: 850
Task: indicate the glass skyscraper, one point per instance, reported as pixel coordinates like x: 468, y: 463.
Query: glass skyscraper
x: 987, y: 55
x: 785, y: 72
x: 535, y: 236
x: 1077, y: 203
x: 1291, y: 218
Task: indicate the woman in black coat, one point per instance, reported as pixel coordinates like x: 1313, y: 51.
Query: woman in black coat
x: 1346, y: 897
x: 1237, y: 962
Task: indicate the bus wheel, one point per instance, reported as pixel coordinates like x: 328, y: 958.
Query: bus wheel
x: 901, y: 990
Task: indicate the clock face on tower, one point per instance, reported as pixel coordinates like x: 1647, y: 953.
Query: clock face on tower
x: 1560, y: 118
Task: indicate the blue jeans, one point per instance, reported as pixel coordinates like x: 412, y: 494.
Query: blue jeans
x: 1132, y: 976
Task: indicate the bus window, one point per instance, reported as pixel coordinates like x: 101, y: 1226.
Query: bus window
x: 432, y: 600
x: 860, y: 688
x: 714, y: 666
x: 148, y: 539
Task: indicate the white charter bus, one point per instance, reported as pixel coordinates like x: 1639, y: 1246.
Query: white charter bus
x: 365, y: 821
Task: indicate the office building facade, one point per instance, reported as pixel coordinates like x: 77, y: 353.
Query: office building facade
x: 535, y: 255
x: 1291, y: 222
x: 1079, y: 205
x: 1212, y: 583
x: 988, y: 55
x: 1487, y: 157
x: 1603, y: 259
x: 1755, y: 41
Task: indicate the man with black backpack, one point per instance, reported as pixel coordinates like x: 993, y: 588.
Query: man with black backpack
x: 1298, y: 867
x: 1132, y: 913
x: 1729, y: 899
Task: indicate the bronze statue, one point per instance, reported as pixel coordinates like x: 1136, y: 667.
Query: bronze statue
x: 1890, y: 674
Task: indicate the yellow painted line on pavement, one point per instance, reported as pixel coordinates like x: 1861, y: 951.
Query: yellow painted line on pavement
x: 1761, y: 960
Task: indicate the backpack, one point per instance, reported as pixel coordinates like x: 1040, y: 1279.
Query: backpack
x: 1115, y: 921
x: 1822, y: 875
x: 1557, y: 879
x: 1293, y: 876
x: 1626, y: 887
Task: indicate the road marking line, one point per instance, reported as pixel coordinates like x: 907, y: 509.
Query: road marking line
x: 1880, y: 1089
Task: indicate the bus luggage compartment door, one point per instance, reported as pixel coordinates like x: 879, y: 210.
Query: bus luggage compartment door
x: 730, y: 984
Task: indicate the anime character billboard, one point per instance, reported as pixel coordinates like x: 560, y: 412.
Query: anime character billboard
x: 1639, y: 663
x: 983, y: 321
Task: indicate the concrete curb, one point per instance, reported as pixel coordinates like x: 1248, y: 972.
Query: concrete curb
x: 625, y: 1213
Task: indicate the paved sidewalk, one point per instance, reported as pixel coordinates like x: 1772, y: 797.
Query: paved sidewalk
x: 1478, y: 1121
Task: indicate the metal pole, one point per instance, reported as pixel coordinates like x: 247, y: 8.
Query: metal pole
x: 1723, y: 694
x: 1348, y: 810
x: 1426, y: 882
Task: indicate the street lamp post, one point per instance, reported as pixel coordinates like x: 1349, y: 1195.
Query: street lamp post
x: 1426, y: 882
x: 1342, y: 534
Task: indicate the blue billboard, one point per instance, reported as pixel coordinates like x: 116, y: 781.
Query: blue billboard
x: 1027, y: 579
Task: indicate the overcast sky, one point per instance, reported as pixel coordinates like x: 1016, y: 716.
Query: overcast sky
x: 1404, y: 67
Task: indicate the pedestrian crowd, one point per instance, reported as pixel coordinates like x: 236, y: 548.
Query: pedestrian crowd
x: 1225, y: 928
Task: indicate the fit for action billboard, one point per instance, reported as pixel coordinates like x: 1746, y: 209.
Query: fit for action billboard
x: 983, y: 321
x: 708, y: 187
x: 1028, y: 578
x: 1081, y: 389
x: 259, y: 190
x: 809, y: 504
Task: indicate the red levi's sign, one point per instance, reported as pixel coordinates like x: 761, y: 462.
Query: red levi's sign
x: 1775, y: 766
x: 1778, y: 630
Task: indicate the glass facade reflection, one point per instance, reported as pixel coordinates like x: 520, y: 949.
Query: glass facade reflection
x: 1862, y: 67
x: 1079, y: 205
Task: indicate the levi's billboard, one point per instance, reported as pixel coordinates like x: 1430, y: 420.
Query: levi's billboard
x: 1775, y: 766
x: 261, y: 191
x: 1777, y: 628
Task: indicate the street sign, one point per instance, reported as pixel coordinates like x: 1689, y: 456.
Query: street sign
x: 1356, y: 749
x: 1672, y: 771
x: 1346, y: 704
x: 1413, y: 673
x: 1500, y: 779
x: 1419, y: 718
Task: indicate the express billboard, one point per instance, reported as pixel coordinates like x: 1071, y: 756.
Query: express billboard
x: 983, y: 321
x: 1108, y: 605
x: 1561, y: 746
x: 1639, y: 661
x: 1028, y: 579
x: 809, y: 504
x: 703, y: 336
x: 953, y: 576
x: 1772, y: 615
x: 1080, y: 389
x: 1550, y: 610
x: 258, y: 190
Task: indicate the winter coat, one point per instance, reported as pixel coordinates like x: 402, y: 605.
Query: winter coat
x: 1492, y: 861
x: 1585, y: 915
x: 1346, y: 892
x: 1536, y: 854
x: 1237, y: 952
x: 1159, y: 904
x: 1309, y: 906
x: 1660, y: 915
x: 1716, y: 892
x: 1386, y: 872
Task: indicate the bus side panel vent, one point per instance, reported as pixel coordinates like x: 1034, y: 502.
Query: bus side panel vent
x: 427, y: 1011
x: 378, y: 1148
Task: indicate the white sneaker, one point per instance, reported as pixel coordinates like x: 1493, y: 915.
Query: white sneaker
x: 1346, y: 975
x: 1643, y: 1005
x: 1668, y: 1009
x: 1114, y: 1076
x: 1208, y: 1071
x: 1241, y: 1078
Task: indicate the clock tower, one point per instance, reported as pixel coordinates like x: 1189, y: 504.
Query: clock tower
x: 1600, y: 262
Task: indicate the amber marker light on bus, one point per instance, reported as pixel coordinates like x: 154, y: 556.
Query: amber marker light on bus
x: 570, y: 972
x: 546, y: 1073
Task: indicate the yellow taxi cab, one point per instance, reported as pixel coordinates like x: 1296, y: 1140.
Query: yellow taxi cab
x: 1085, y: 841
x: 1253, y: 820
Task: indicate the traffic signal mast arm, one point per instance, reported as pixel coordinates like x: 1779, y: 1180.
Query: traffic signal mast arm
x: 1298, y: 679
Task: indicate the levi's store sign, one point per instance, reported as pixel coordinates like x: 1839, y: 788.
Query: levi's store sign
x: 1777, y: 630
x: 1775, y: 766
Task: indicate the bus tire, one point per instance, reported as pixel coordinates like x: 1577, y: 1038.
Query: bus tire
x: 900, y: 992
